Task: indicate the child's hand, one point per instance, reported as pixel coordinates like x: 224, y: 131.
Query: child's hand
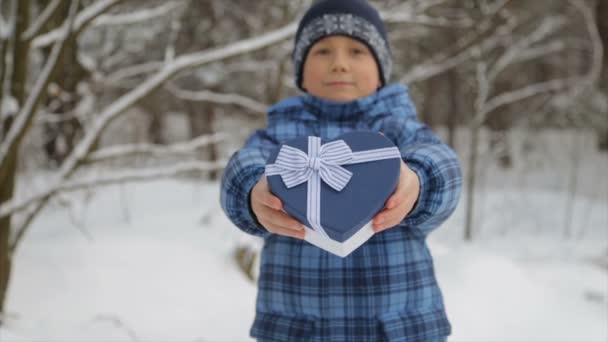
x: 267, y: 209
x: 401, y: 201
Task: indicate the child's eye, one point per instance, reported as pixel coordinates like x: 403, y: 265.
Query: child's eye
x: 322, y: 51
x: 358, y: 51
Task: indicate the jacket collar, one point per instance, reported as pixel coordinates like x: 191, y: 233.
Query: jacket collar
x: 390, y: 97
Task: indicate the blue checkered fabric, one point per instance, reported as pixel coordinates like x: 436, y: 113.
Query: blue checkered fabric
x: 386, y: 289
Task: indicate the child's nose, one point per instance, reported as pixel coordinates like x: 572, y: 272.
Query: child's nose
x: 339, y: 62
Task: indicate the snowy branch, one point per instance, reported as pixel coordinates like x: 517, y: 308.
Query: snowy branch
x: 179, y: 64
x: 131, y: 71
x: 423, y: 19
x: 118, y: 152
x: 209, y: 96
x: 538, y: 51
x: 519, y: 51
x: 596, y: 41
x: 136, y: 175
x: 479, y: 41
x: 54, y: 118
x: 444, y: 61
x: 422, y: 5
x: 413, y: 13
x: 139, y: 16
x: 178, y: 148
x: 19, y: 127
x: 523, y: 93
x: 41, y: 20
x: 80, y: 151
x: 82, y: 19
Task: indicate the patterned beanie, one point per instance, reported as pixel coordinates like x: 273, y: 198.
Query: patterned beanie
x: 353, y: 18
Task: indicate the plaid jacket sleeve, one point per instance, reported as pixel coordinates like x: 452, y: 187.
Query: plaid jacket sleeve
x: 437, y: 167
x: 242, y: 172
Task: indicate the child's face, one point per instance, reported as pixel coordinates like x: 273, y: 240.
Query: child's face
x: 340, y: 68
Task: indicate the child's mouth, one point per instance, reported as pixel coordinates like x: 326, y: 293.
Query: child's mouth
x: 338, y: 84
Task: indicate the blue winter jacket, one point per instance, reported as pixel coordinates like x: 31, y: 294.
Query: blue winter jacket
x: 386, y: 289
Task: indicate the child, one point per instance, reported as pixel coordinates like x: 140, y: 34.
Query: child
x: 386, y: 289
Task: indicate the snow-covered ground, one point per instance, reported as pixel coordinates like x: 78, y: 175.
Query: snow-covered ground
x: 153, y: 262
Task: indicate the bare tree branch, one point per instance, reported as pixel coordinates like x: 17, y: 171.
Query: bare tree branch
x: 209, y: 96
x: 80, y: 151
x: 422, y: 5
x: 139, y: 16
x: 423, y: 19
x: 52, y: 118
x: 473, y: 44
x: 188, y: 147
x: 523, y: 93
x: 42, y: 19
x: 131, y: 71
x: 518, y: 50
x: 136, y: 175
x: 596, y: 42
x: 82, y: 20
x: 23, y: 119
x: 121, y: 151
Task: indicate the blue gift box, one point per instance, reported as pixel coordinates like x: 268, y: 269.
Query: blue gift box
x: 335, y: 187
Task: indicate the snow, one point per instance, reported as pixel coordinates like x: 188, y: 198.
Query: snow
x: 153, y: 261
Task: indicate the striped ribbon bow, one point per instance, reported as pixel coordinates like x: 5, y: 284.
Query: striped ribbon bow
x: 323, y: 162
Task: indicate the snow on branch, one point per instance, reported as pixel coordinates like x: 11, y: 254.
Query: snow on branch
x: 135, y: 70
x: 168, y: 71
x: 178, y: 148
x: 596, y: 41
x: 5, y: 28
x: 221, y: 98
x: 25, y: 115
x: 423, y: 5
x: 478, y: 41
x: 82, y: 19
x: 523, y: 93
x: 54, y: 118
x: 413, y: 13
x: 518, y: 51
x: 139, y: 16
x: 117, y: 152
x: 182, y: 63
x: 135, y: 175
x: 41, y: 20
x: 423, y: 19
x: 444, y: 61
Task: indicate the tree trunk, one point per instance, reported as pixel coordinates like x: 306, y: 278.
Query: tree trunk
x: 430, y: 97
x: 454, y: 107
x: 61, y: 137
x: 6, y: 193
x: 156, y: 105
x: 201, y: 117
x: 602, y: 24
x: 471, y: 177
x: 9, y: 167
x: 575, y: 162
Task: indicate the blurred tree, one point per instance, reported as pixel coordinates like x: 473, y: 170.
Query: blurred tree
x: 61, y: 97
x: 19, y: 36
x: 602, y: 25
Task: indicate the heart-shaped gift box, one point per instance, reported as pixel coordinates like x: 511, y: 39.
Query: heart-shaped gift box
x: 335, y: 187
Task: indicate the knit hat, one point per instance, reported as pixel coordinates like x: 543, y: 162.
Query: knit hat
x: 353, y: 18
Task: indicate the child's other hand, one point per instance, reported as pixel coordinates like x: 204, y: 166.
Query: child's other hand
x: 401, y: 201
x: 267, y: 209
